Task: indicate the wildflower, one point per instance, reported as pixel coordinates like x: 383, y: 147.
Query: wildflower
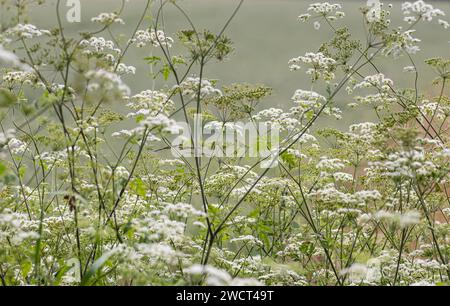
x: 17, y: 146
x: 324, y: 8
x: 304, y: 17
x: 357, y: 272
x: 15, y: 229
x: 378, y: 81
x: 405, y: 164
x: 217, y: 277
x: 158, y: 252
x: 420, y: 9
x: 423, y: 283
x: 403, y: 220
x: 162, y: 123
x: 307, y: 100
x: 409, y: 218
x: 124, y: 69
x: 182, y: 210
x: 149, y: 102
x: 109, y: 81
x: 374, y: 13
x: 101, y: 47
x: 321, y: 65
x: 409, y: 69
x: 402, y: 41
x: 366, y: 195
x: 431, y: 108
x: 26, y: 31
x: 330, y: 164
x: 329, y: 194
x: 316, y: 25
x: 20, y: 78
x: 444, y: 23
x: 107, y: 18
x: 248, y: 239
x: 152, y: 37
x: 190, y: 87
x: 343, y: 177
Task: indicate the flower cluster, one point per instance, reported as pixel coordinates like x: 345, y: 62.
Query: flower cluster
x: 306, y: 100
x: 152, y: 37
x: 377, y: 81
x: 322, y: 66
x: 192, y: 87
x: 149, y: 102
x: 323, y: 9
x: 410, y: 164
x: 400, y: 42
x: 107, y: 18
x: 26, y: 31
x: 98, y: 45
x: 15, y: 228
x: 417, y: 10
x: 106, y: 80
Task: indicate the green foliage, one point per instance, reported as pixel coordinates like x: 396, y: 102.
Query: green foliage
x: 205, y: 45
x: 7, y: 98
x: 238, y: 101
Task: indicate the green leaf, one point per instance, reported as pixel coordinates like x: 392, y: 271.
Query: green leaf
x: 22, y: 171
x: 3, y: 169
x: 138, y: 187
x: 96, y: 267
x: 289, y: 159
x: 26, y: 268
x: 166, y: 72
x: 7, y: 98
x: 48, y: 99
x: 152, y: 60
x: 59, y: 275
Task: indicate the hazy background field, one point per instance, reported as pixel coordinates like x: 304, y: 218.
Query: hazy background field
x: 266, y: 34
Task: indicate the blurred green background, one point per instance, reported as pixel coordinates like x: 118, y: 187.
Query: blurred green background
x: 266, y: 34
